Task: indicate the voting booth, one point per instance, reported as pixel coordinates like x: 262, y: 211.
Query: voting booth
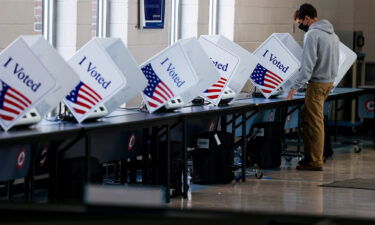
x: 278, y: 61
x: 33, y: 76
x: 233, y: 62
x: 109, y: 76
x: 180, y: 70
x: 347, y: 58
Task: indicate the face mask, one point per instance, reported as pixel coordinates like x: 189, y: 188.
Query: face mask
x: 303, y: 27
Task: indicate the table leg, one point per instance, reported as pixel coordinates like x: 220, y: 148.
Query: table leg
x: 168, y: 166
x: 244, y: 146
x: 184, y: 161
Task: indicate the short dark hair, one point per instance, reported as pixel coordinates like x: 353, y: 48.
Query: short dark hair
x: 305, y: 10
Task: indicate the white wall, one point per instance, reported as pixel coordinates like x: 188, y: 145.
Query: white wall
x: 255, y: 20
x: 16, y: 18
x: 84, y: 22
x: 364, y: 20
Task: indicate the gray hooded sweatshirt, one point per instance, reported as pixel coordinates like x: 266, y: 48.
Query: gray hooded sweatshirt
x: 320, y: 57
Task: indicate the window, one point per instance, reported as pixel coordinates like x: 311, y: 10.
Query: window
x: 87, y: 19
x: 48, y: 21
x: 212, y: 19
x: 102, y: 18
x: 174, y: 21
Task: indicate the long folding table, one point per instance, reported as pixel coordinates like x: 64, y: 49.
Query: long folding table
x: 152, y: 124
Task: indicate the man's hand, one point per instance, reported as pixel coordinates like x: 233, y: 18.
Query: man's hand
x: 291, y: 94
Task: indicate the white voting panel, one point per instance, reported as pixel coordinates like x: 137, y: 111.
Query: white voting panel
x: 103, y: 66
x: 202, y: 66
x: 179, y: 70
x: 347, y: 58
x: 135, y: 81
x: 278, y: 62
x: 291, y: 44
x: 232, y: 61
x: 32, y: 75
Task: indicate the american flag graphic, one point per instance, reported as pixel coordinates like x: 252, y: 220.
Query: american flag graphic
x: 214, y: 91
x: 83, y: 98
x: 267, y: 79
x: 157, y: 92
x: 12, y: 102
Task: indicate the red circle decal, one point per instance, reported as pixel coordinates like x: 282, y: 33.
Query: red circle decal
x: 369, y: 105
x: 131, y: 142
x: 21, y: 159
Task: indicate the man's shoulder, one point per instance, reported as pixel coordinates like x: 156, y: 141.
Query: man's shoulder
x: 316, y: 34
x: 312, y: 34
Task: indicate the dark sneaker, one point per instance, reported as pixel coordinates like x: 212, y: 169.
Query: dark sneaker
x: 309, y: 167
x: 304, y: 162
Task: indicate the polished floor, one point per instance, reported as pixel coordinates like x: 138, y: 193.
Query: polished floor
x: 287, y: 190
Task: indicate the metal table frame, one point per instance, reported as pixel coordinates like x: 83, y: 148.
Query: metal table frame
x: 238, y: 109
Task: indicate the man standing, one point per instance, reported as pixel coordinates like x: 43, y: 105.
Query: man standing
x: 319, y: 66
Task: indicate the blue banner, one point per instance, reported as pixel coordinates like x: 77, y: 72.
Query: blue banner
x: 14, y: 162
x: 153, y: 13
x: 366, y: 106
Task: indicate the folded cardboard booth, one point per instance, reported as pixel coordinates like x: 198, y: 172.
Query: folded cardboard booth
x: 279, y: 60
x: 109, y: 76
x: 234, y: 64
x: 177, y: 75
x: 347, y: 58
x: 34, y: 77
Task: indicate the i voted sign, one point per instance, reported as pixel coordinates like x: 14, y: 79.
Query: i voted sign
x: 135, y: 81
x: 100, y: 79
x: 169, y: 73
x: 24, y: 82
x: 225, y: 62
x: 276, y: 65
x: 233, y: 62
x: 201, y: 66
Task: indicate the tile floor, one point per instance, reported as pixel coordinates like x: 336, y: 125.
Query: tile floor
x: 287, y: 190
